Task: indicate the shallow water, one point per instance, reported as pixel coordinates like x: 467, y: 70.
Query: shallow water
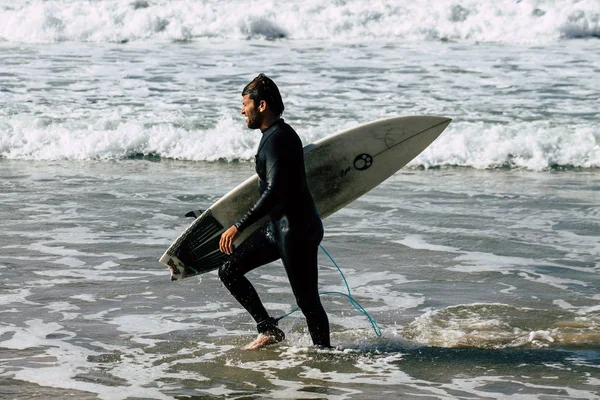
x: 483, y: 283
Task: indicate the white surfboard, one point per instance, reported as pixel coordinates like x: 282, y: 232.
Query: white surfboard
x: 340, y: 168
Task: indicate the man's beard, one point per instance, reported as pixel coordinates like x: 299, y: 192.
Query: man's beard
x: 254, y: 120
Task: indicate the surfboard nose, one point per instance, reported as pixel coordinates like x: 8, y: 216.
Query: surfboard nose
x: 439, y: 120
x: 438, y: 123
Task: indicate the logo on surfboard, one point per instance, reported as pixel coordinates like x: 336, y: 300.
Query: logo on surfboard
x: 363, y: 161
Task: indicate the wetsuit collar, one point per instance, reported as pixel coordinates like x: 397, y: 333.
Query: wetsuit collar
x: 272, y: 125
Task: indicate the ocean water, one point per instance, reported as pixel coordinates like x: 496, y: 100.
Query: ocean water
x: 479, y: 261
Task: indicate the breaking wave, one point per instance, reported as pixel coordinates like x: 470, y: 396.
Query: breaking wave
x: 526, y: 21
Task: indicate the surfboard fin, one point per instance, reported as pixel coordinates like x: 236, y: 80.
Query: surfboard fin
x: 195, y: 214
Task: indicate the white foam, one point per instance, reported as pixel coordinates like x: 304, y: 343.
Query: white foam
x: 476, y: 20
x: 16, y: 296
x: 90, y: 298
x: 478, y: 386
x: 509, y: 288
x: 560, y: 283
x: 92, y: 275
x: 33, y: 336
x: 540, y: 336
x: 101, y: 315
x: 70, y: 262
x: 591, y: 309
x: 474, y: 261
x: 59, y: 306
x: 106, y: 265
x: 535, y: 145
x: 64, y: 362
x: 563, y: 304
x: 492, y: 325
x: 380, y: 371
x: 149, y: 324
x: 417, y: 242
x: 27, y: 141
x: 532, y: 145
x: 460, y: 326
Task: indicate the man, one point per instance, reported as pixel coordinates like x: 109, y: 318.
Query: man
x: 294, y: 229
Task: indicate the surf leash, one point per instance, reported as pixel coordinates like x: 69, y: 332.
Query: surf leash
x: 352, y: 300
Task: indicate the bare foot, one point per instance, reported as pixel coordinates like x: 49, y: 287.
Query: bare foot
x: 265, y: 339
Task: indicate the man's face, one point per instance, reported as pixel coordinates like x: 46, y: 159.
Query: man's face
x: 252, y: 111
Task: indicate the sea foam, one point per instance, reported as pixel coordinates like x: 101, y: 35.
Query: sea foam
x: 526, y: 21
x: 536, y: 145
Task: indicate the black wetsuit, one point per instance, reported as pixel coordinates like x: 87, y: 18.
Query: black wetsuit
x: 293, y: 233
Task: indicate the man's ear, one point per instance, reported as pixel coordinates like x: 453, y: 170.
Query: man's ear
x: 262, y: 106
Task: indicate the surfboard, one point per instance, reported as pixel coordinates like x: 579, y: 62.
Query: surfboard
x: 339, y: 168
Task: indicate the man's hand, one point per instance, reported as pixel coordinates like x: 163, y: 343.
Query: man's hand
x: 227, y: 238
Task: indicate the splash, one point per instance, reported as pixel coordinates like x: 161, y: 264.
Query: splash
x: 499, y: 326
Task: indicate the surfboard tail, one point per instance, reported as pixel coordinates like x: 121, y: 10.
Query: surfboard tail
x: 178, y: 269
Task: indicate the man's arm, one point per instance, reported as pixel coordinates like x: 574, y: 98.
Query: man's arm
x: 276, y: 180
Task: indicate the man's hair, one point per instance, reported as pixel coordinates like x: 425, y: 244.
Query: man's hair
x: 263, y: 88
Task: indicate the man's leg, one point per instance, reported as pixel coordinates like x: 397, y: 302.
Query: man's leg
x: 301, y: 266
x: 255, y: 251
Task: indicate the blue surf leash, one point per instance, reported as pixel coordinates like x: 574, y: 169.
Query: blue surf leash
x: 352, y: 300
